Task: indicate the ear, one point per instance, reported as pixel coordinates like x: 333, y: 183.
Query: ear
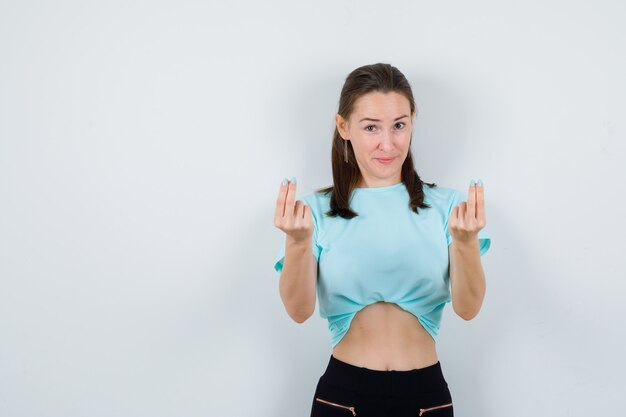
x: 342, y: 125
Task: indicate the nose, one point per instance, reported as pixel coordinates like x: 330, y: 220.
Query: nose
x: 386, y: 141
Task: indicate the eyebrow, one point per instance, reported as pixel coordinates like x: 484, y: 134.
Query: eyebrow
x: 378, y: 120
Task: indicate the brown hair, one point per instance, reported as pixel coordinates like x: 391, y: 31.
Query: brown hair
x: 366, y: 79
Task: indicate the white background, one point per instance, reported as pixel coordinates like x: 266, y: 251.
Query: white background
x: 142, y: 145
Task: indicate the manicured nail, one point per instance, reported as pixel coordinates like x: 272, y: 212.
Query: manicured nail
x: 480, y: 182
x: 471, y: 183
x: 293, y: 180
x: 285, y: 181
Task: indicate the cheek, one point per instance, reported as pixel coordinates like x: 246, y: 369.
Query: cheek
x: 369, y: 151
x: 363, y: 146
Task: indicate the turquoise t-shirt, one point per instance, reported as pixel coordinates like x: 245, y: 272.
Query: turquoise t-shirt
x: 386, y: 253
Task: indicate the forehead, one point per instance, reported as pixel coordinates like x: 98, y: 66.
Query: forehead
x: 382, y: 105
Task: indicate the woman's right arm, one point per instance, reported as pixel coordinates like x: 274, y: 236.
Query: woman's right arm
x: 298, y: 278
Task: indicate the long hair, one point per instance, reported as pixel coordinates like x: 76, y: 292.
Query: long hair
x: 383, y: 78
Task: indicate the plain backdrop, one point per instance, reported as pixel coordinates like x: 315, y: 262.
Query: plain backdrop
x: 142, y: 146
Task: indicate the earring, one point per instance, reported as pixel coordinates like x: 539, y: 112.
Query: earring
x: 345, y: 150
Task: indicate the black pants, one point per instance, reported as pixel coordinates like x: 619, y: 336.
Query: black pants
x: 347, y: 390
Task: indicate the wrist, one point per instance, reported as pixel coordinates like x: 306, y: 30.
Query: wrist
x: 465, y: 245
x: 297, y: 243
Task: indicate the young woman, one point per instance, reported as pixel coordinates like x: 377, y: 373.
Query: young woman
x: 384, y: 252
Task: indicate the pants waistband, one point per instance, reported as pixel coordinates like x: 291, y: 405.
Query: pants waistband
x: 392, y: 382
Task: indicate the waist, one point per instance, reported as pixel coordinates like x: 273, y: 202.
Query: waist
x: 390, y: 355
x: 380, y: 382
x: 384, y: 337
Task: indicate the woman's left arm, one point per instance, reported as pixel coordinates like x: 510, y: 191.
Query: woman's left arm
x: 467, y: 278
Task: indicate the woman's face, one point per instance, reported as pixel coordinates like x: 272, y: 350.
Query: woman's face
x: 380, y: 127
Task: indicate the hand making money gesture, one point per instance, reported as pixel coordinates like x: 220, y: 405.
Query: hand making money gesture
x: 468, y: 218
x: 293, y: 216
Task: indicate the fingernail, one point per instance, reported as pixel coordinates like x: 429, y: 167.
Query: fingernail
x: 480, y: 182
x: 285, y: 181
x: 472, y: 183
x: 293, y: 180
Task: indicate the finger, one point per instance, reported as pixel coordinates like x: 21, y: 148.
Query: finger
x: 462, y: 221
x: 471, y: 202
x: 480, y: 203
x: 298, y: 212
x: 280, y: 201
x: 306, y: 215
x: 454, y: 214
x: 290, y: 199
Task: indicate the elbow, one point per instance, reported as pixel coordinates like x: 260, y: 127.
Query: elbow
x: 299, y: 312
x: 467, y: 315
x: 468, y: 309
x: 303, y: 312
x: 299, y: 319
x: 300, y: 316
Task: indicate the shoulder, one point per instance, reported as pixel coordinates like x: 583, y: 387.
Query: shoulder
x: 442, y: 197
x: 316, y: 198
x: 319, y: 202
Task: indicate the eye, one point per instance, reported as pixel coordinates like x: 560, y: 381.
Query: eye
x: 367, y: 127
x: 399, y: 123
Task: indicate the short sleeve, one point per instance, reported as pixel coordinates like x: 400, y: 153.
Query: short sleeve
x: 280, y: 258
x: 484, y: 240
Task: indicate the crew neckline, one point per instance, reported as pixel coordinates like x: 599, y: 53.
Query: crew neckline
x: 379, y: 189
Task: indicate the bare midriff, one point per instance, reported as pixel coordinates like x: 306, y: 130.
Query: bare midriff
x: 383, y: 336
